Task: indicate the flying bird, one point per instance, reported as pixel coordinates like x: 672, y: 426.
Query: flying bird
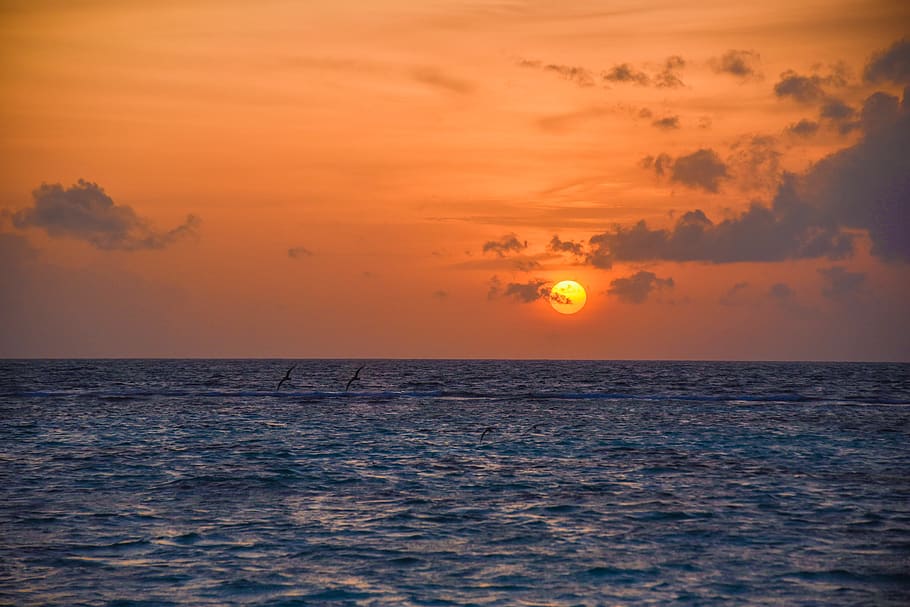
x: 287, y: 377
x: 484, y: 433
x: 355, y: 378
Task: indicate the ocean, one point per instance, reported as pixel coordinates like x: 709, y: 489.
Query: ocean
x: 431, y: 482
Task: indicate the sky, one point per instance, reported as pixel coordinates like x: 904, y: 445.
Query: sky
x: 407, y: 178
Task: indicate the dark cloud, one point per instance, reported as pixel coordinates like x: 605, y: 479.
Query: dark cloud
x: 739, y: 63
x: 526, y: 292
x: 791, y: 229
x: 667, y: 124
x: 626, y: 73
x: 299, y: 252
x: 841, y: 283
x: 667, y: 77
x: 890, y: 65
x: 803, y: 128
x: 867, y: 186
x: 810, y: 89
x: 86, y: 212
x: 566, y: 246
x: 816, y: 214
x: 835, y: 109
x: 660, y: 163
x: 781, y: 291
x: 435, y: 78
x: 504, y: 245
x: 701, y: 169
x: 637, y: 288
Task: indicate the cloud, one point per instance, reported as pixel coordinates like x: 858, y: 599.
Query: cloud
x: 733, y: 295
x: 440, y: 294
x: 578, y: 75
x: 803, y: 128
x: 867, y: 186
x: 435, y: 78
x: 626, y: 73
x: 781, y: 291
x: 504, y: 245
x: 523, y: 292
x: 790, y: 229
x: 660, y: 163
x: 890, y: 65
x: 812, y: 215
x: 835, y: 109
x: 841, y: 283
x: 566, y: 246
x: 701, y: 169
x: 299, y: 252
x: 637, y: 288
x: 667, y: 77
x: 810, y: 89
x: 739, y: 63
x: 755, y: 162
x: 667, y: 124
x: 86, y: 212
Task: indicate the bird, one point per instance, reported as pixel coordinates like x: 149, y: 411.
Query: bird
x: 287, y: 377
x: 355, y: 378
x: 484, y: 433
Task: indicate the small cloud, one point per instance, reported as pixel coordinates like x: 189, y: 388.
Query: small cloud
x: 86, y: 212
x: 733, y: 295
x: 660, y: 163
x: 667, y: 124
x: 299, y: 252
x: 504, y: 245
x: 435, y: 78
x: 440, y: 294
x: 739, y: 63
x: 644, y: 113
x: 701, y: 169
x: 803, y: 128
x: 578, y: 75
x: 667, y: 78
x: 566, y: 246
x: 525, y: 264
x: 626, y: 73
x: 755, y: 162
x: 637, y: 288
x: 810, y: 89
x: 890, y: 65
x: 781, y: 291
x: 526, y: 292
x: 841, y: 283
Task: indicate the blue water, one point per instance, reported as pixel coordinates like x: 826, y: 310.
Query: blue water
x: 601, y: 483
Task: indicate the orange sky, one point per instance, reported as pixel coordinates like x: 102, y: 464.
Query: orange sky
x: 347, y: 162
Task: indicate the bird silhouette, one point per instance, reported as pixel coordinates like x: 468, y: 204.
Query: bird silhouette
x: 356, y: 377
x: 287, y: 377
x: 484, y: 433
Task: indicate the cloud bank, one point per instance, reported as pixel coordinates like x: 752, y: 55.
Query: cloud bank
x: 86, y: 212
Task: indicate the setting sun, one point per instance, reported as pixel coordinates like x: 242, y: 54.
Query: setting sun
x: 568, y: 297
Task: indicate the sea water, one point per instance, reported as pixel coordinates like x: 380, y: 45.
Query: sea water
x: 197, y: 482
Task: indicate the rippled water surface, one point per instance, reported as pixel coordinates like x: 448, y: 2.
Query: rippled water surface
x: 598, y: 483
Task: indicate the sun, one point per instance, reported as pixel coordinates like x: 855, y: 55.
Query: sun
x: 568, y: 297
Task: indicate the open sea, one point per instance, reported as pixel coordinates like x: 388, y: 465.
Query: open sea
x: 197, y: 482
